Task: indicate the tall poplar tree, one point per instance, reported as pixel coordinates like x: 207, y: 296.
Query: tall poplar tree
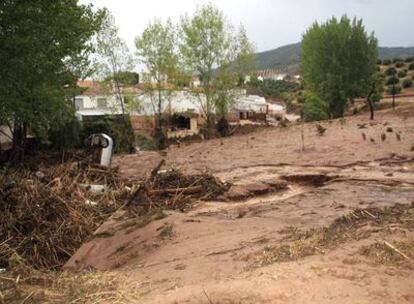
x: 338, y: 62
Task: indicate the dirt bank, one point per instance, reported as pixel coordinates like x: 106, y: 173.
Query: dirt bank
x: 342, y: 144
x: 274, y: 248
x: 331, y: 224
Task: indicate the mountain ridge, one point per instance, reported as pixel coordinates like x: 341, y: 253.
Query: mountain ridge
x: 287, y: 58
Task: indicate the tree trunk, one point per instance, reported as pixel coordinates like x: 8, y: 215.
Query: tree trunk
x: 371, y: 109
x: 370, y: 102
x: 19, y: 141
x: 119, y: 94
x: 160, y: 138
x: 159, y: 114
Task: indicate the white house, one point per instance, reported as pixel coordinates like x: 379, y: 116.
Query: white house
x: 183, y: 106
x: 95, y: 101
x: 272, y: 74
x: 277, y: 111
x: 251, y: 103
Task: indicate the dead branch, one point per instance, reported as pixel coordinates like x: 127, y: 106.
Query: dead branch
x: 398, y: 251
x: 188, y: 190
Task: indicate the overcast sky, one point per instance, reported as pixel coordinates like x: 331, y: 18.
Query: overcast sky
x: 272, y: 23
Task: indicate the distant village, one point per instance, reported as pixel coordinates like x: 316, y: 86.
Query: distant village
x: 184, y: 107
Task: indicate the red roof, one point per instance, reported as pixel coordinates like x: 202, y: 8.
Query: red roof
x: 92, y: 87
x: 96, y: 88
x: 87, y: 83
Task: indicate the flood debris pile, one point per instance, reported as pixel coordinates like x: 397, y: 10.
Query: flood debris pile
x: 397, y: 253
x: 39, y: 287
x: 173, y: 190
x: 357, y: 225
x: 46, y: 215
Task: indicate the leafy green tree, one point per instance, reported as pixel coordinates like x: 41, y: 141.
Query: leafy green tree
x: 394, y: 90
x: 44, y: 48
x: 245, y: 59
x: 313, y: 107
x: 402, y: 73
x: 390, y: 71
x: 407, y: 83
x: 273, y: 88
x: 375, y: 92
x: 112, y: 58
x: 392, y: 80
x: 338, y: 61
x: 386, y: 62
x: 211, y: 48
x: 126, y: 78
x: 156, y: 48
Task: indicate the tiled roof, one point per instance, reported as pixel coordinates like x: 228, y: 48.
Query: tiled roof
x: 95, y: 88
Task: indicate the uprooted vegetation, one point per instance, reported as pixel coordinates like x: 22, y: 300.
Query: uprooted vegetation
x: 48, y: 214
x: 390, y: 254
x: 173, y: 190
x: 25, y: 285
x: 357, y: 225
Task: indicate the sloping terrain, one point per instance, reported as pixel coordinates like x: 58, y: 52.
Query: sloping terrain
x: 288, y: 57
x: 340, y: 232
x: 332, y: 223
x: 273, y: 248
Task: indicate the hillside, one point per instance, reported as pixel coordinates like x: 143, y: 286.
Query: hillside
x: 288, y: 57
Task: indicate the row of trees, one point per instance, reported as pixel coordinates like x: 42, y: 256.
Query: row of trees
x: 205, y: 45
x: 272, y: 88
x: 339, y: 63
x: 45, y: 47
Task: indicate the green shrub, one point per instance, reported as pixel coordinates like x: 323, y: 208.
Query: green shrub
x: 382, y: 76
x: 379, y: 61
x: 146, y: 143
x: 397, y: 59
x: 409, y: 59
x: 392, y: 80
x: 270, y: 87
x: 314, y: 108
x: 390, y: 71
x: 411, y: 67
x: 393, y: 90
x: 67, y: 136
x: 402, y: 74
x: 118, y: 128
x: 356, y: 110
x: 399, y: 64
x: 386, y: 62
x: 407, y: 83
